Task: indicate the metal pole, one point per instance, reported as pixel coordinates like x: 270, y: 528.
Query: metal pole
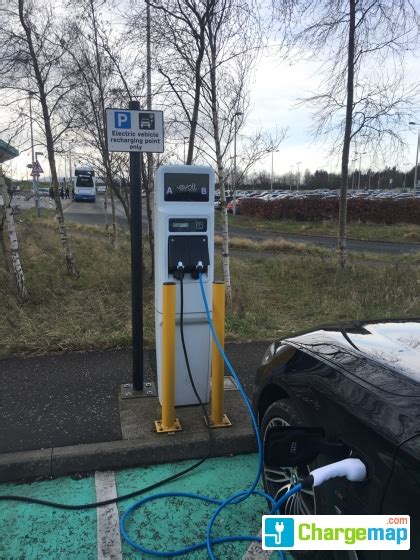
x: 298, y: 175
x: 272, y: 158
x: 234, y: 165
x: 184, y: 150
x: 136, y: 263
x: 34, y: 182
x: 71, y: 176
x: 360, y: 166
x: 149, y: 107
x: 417, y: 163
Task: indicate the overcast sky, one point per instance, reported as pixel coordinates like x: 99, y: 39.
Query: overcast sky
x: 275, y: 89
x: 275, y: 93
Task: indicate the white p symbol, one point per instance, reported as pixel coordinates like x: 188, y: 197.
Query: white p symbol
x: 122, y: 119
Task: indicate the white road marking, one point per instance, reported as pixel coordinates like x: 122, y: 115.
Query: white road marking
x: 255, y: 552
x: 108, y: 529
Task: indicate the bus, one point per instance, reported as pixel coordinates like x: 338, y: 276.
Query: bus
x: 84, y: 184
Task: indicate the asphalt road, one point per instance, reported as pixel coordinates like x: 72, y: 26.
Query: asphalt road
x: 94, y: 214
x: 70, y: 399
x: 88, y: 213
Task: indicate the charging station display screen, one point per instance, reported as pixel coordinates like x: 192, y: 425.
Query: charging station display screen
x: 187, y: 224
x: 186, y: 187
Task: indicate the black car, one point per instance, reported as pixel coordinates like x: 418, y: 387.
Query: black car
x: 350, y: 391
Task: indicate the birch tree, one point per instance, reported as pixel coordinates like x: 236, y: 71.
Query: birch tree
x: 13, y: 251
x: 92, y: 71
x: 178, y: 32
x: 29, y: 62
x: 233, y: 43
x: 363, y: 98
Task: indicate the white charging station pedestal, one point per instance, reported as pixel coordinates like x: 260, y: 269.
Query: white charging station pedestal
x: 184, y: 231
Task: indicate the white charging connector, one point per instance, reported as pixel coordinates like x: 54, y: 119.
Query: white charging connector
x: 352, y: 469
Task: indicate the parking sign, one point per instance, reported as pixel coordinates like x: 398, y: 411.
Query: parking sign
x: 134, y: 131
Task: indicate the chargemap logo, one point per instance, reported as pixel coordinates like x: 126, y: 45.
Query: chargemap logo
x: 279, y: 532
x: 336, y: 532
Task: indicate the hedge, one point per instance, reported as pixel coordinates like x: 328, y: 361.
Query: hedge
x: 381, y: 211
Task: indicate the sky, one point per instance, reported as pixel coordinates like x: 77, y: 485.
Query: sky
x: 275, y: 90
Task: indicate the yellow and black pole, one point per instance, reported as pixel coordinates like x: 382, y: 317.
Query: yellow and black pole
x: 217, y: 418
x: 168, y: 423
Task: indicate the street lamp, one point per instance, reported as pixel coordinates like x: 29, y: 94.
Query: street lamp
x: 185, y: 138
x: 272, y: 158
x: 354, y: 174
x: 417, y: 157
x: 298, y: 175
x: 360, y: 154
x: 70, y: 170
x: 235, y: 131
x: 406, y: 164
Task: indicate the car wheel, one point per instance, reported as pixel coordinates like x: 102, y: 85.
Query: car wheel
x: 279, y: 480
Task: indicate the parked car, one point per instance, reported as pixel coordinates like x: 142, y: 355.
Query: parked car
x: 346, y: 391
x: 43, y: 191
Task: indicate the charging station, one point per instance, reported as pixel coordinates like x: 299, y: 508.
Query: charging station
x: 184, y: 235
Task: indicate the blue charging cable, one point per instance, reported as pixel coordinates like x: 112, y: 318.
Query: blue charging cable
x: 236, y: 498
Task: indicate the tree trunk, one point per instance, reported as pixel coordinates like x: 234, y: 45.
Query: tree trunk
x: 220, y: 173
x: 196, y: 106
x: 145, y: 182
x: 13, y: 243
x: 106, y: 209
x: 114, y: 240
x: 342, y: 219
x: 68, y: 255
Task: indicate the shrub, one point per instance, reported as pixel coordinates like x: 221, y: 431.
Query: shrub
x: 381, y: 211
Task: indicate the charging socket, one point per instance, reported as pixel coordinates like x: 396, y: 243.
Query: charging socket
x: 190, y: 250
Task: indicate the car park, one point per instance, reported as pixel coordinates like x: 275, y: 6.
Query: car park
x: 345, y: 391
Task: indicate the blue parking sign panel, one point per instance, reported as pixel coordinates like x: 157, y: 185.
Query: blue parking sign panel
x: 122, y: 119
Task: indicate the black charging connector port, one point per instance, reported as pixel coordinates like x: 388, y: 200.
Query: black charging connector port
x: 199, y: 255
x: 191, y: 251
x: 179, y: 272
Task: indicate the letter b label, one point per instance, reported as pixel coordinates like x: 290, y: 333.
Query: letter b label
x: 122, y: 119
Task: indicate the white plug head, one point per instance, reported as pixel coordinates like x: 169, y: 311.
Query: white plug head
x: 353, y: 469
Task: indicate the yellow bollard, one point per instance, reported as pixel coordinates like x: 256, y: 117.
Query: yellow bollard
x: 168, y: 423
x: 218, y: 419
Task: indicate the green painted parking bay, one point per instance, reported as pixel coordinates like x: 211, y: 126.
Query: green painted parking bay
x: 33, y: 532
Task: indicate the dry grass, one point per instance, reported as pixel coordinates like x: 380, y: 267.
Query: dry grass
x: 274, y: 246
x: 272, y: 296
x: 375, y: 232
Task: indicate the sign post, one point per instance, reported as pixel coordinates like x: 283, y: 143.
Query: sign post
x: 135, y: 131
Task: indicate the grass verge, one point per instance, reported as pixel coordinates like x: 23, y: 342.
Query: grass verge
x: 370, y: 232
x: 273, y: 297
